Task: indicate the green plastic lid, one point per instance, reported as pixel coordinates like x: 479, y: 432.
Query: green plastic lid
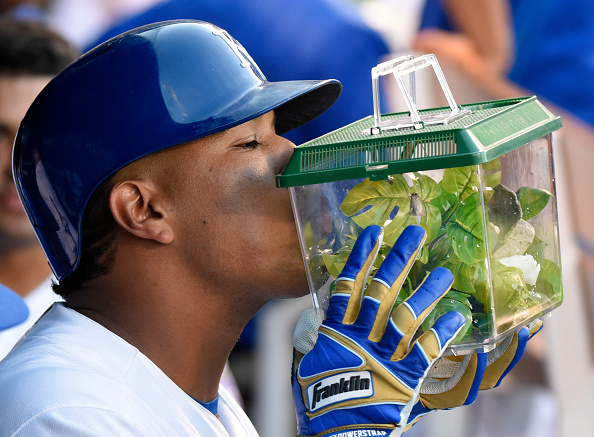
x: 486, y: 131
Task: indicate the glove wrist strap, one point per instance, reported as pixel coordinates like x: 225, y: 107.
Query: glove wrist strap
x: 359, y: 430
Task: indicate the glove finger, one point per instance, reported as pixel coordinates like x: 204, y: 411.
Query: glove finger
x: 507, y: 355
x: 414, y: 366
x: 433, y: 343
x: 409, y: 315
x: 352, y: 279
x: 388, y: 280
x: 306, y: 330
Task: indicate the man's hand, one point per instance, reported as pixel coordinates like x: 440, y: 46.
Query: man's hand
x: 365, y: 369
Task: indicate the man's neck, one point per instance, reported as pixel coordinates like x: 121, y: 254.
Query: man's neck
x: 187, y: 334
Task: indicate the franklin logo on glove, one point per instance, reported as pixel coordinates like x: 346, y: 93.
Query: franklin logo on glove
x: 342, y: 387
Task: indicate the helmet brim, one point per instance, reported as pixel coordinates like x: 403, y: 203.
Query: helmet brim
x: 294, y: 102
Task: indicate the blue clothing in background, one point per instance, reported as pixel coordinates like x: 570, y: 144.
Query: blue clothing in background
x: 554, y: 44
x: 304, y: 39
x: 26, y: 11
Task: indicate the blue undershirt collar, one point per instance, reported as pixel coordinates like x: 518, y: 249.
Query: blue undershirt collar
x: 212, y: 406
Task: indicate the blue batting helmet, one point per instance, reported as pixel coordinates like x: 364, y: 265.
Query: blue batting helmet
x: 145, y: 90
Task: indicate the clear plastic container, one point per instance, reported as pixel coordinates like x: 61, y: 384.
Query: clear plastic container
x: 481, y: 184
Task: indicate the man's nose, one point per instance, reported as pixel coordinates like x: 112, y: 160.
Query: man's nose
x: 285, y: 150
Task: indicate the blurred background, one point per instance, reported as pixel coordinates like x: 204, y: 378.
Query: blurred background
x: 492, y: 49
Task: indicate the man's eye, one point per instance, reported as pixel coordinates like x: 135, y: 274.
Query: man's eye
x: 251, y: 145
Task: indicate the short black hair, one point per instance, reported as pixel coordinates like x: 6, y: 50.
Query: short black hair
x: 31, y: 48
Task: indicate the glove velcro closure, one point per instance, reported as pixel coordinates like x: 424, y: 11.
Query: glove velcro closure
x: 364, y: 430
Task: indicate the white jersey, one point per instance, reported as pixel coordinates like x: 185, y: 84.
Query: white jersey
x: 70, y: 376
x: 38, y: 301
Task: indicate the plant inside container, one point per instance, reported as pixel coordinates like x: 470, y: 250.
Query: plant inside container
x: 476, y: 227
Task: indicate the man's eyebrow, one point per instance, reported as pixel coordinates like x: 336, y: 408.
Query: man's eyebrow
x: 247, y: 138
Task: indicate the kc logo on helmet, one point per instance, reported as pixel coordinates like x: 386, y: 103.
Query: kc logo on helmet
x: 339, y: 388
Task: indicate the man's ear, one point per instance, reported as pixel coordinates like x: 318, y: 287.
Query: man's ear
x: 136, y: 207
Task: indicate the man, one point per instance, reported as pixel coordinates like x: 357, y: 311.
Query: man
x: 148, y: 170
x: 30, y: 55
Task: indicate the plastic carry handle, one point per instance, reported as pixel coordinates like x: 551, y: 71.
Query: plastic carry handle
x: 407, y: 66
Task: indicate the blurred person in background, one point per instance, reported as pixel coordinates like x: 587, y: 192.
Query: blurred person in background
x: 79, y: 21
x: 23, y: 9
x: 543, y: 46
x: 30, y: 55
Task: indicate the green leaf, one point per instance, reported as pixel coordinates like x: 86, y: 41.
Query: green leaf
x: 444, y: 201
x: 532, y: 201
x: 466, y: 231
x: 431, y: 222
x: 461, y: 181
x: 335, y: 263
x: 504, y: 210
x: 459, y: 296
x: 465, y: 279
x: 537, y: 250
x: 382, y: 197
x: 464, y: 181
x: 508, y: 287
x: 551, y: 274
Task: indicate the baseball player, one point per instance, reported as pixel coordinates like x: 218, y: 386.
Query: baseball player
x: 147, y: 168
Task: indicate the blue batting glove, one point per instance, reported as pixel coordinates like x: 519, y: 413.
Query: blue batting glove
x: 364, y: 371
